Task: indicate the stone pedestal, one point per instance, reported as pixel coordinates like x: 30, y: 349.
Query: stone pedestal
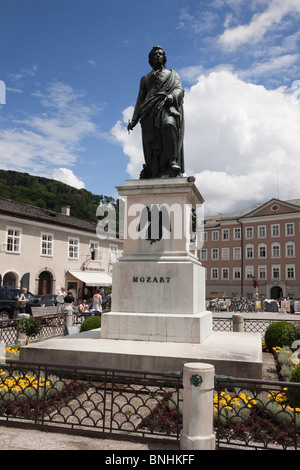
x: 158, y: 320
x: 158, y: 283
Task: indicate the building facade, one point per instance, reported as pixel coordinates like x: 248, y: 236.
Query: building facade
x: 255, y: 251
x: 43, y: 250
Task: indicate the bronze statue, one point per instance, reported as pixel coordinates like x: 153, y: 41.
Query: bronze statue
x: 159, y: 108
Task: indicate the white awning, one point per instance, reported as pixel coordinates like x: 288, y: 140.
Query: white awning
x: 92, y: 279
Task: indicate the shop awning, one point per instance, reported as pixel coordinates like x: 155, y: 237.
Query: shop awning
x: 92, y: 279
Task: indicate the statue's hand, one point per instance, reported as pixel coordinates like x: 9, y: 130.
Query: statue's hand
x: 131, y: 125
x: 169, y: 99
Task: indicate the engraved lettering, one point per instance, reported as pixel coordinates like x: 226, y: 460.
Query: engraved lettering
x: 150, y: 279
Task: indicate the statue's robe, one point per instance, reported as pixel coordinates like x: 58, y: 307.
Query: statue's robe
x: 162, y: 124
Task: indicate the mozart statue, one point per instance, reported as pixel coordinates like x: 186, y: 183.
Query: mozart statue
x: 159, y: 109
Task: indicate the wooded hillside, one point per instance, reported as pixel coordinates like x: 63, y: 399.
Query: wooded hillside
x: 49, y: 194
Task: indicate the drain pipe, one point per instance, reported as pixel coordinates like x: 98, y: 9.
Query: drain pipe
x: 242, y: 258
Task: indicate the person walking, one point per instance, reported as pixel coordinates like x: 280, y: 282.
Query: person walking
x: 22, y: 300
x: 61, y: 299
x: 97, y: 302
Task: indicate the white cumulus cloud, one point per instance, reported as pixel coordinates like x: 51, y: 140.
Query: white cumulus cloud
x: 65, y: 175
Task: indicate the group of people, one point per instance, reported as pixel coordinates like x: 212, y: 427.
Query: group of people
x: 95, y: 306
x: 65, y: 297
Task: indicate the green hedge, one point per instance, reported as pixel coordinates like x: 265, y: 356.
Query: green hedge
x: 90, y: 323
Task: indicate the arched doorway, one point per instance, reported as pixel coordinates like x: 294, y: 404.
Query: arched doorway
x: 9, y: 280
x: 45, y: 283
x: 276, y: 292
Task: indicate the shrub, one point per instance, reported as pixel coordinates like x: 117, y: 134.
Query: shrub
x: 90, y: 323
x: 29, y: 326
x: 280, y: 333
x: 293, y: 394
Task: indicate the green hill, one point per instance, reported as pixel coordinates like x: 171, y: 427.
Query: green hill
x: 49, y: 194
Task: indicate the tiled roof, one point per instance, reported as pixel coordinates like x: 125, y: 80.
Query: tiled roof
x: 214, y: 220
x: 26, y: 211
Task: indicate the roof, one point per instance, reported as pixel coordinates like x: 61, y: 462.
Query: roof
x: 248, y: 211
x: 26, y: 211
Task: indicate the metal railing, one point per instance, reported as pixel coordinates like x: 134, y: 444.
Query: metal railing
x: 256, y: 414
x: 251, y: 325
x: 91, y: 401
x: 51, y: 326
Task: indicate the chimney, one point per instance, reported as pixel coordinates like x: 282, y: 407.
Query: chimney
x: 65, y: 210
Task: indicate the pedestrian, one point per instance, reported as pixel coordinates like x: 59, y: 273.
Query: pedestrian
x: 97, y: 301
x: 22, y: 300
x: 60, y: 300
x: 69, y: 299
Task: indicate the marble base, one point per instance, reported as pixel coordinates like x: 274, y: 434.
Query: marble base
x: 235, y: 354
x: 156, y: 327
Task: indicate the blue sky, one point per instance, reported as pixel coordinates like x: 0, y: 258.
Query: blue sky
x: 71, y: 70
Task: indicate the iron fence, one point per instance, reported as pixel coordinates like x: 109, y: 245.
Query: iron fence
x: 51, y: 326
x: 8, y: 332
x: 251, y: 325
x: 90, y: 400
x: 256, y: 414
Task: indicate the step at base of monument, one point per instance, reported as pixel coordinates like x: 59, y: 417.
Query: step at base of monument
x: 234, y: 354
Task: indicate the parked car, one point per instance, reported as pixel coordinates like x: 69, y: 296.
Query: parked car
x: 47, y: 300
x: 8, y: 299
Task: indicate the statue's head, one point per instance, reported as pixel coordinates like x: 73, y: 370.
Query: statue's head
x: 152, y: 52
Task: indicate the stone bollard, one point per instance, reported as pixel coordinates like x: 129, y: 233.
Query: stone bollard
x: 238, y: 323
x: 69, y: 314
x: 197, y: 432
x: 22, y: 337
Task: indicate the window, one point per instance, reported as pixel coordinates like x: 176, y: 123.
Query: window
x: 215, y: 253
x: 94, y: 250
x: 289, y: 229
x: 290, y: 250
x: 275, y: 272
x: 214, y: 273
x: 225, y: 253
x: 113, y: 253
x: 275, y: 250
x: 225, y: 234
x: 46, y: 244
x: 249, y: 232
x: 275, y: 230
x: 249, y: 270
x: 261, y: 229
x: 203, y: 254
x: 237, y: 233
x: 225, y: 273
x: 290, y: 271
x: 237, y: 253
x: 262, y: 251
x: 204, y: 236
x: 236, y: 273
x: 249, y: 251
x: 262, y: 272
x: 215, y: 236
x: 73, y: 248
x: 13, y: 240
